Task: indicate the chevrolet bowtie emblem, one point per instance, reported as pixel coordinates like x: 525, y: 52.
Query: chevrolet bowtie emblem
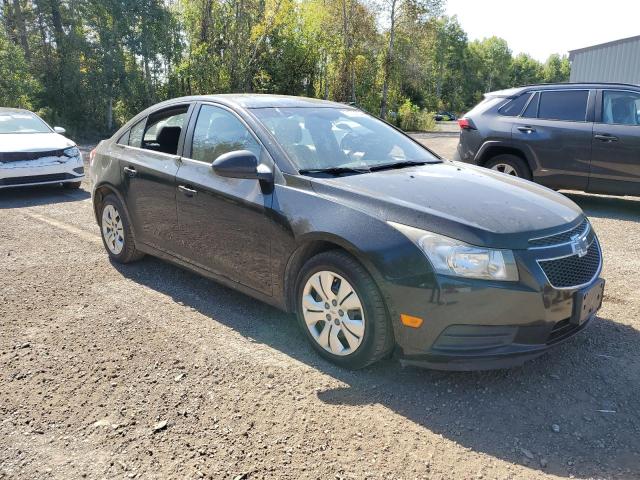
x: 579, y: 245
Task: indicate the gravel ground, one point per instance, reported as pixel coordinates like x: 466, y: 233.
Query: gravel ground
x: 149, y: 371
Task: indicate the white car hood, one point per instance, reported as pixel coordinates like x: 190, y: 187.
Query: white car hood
x: 33, y: 142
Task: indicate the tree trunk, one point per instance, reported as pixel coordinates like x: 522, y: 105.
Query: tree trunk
x: 21, y: 27
x: 388, y: 61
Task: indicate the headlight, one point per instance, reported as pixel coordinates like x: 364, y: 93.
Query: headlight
x: 72, y: 152
x: 453, y: 257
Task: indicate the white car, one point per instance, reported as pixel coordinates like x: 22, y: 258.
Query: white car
x: 33, y: 153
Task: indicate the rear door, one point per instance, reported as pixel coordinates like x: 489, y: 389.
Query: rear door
x: 615, y: 165
x: 148, y: 170
x: 225, y: 223
x: 555, y: 130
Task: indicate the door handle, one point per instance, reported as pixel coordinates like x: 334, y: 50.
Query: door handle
x: 527, y: 129
x: 605, y: 137
x: 130, y: 171
x: 189, y: 192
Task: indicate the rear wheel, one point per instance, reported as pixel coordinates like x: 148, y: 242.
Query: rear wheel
x: 509, y: 164
x: 116, y: 231
x: 341, y: 311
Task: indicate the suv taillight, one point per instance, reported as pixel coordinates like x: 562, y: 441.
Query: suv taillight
x: 466, y: 124
x: 92, y: 155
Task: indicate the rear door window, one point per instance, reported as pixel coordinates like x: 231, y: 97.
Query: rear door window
x: 515, y: 106
x: 163, y: 130
x: 569, y: 105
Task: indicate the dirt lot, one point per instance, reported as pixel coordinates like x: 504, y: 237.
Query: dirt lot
x: 148, y: 371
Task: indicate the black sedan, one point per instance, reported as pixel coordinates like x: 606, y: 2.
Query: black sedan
x: 377, y: 244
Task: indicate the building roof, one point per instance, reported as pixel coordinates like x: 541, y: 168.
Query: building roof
x: 601, y: 45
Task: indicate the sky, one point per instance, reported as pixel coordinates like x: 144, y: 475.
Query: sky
x: 543, y: 27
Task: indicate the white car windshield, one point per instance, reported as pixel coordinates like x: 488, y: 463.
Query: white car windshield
x: 328, y: 138
x: 22, y: 122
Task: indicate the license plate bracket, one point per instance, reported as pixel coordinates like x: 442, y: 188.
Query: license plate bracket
x: 587, y: 302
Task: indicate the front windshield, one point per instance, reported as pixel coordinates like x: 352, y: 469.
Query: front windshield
x: 22, y: 122
x: 321, y: 138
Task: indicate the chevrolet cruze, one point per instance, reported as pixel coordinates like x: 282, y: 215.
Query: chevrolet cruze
x: 377, y: 244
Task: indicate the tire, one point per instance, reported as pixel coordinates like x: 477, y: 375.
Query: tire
x: 364, y: 341
x: 115, y: 229
x: 514, y: 165
x: 72, y: 185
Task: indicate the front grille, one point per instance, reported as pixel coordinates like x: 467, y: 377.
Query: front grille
x: 6, y: 157
x: 561, y: 330
x: 559, y: 238
x: 574, y: 270
x: 36, y: 179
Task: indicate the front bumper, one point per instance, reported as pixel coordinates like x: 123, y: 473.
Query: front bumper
x: 51, y: 170
x: 476, y: 325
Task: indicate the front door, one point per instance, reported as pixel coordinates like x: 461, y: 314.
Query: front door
x: 224, y: 223
x: 555, y: 129
x: 615, y: 166
x: 149, y: 165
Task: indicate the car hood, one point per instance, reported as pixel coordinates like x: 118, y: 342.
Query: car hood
x: 33, y: 142
x: 469, y: 203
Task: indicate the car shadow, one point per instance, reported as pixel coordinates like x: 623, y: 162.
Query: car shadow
x: 601, y: 206
x: 588, y: 386
x: 21, y: 197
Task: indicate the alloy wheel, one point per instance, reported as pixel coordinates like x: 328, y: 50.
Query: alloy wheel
x: 505, y: 168
x: 333, y: 313
x: 112, y: 229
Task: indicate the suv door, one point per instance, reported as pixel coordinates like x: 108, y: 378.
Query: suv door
x: 555, y: 131
x: 615, y: 164
x: 149, y: 165
x: 224, y: 222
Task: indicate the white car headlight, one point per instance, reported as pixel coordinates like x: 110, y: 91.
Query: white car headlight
x: 72, y: 152
x: 453, y: 257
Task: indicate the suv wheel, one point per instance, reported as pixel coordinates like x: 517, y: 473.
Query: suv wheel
x: 341, y: 311
x: 509, y: 164
x: 116, y: 231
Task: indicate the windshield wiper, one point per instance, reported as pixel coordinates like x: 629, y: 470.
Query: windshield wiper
x: 335, y: 170
x: 403, y: 164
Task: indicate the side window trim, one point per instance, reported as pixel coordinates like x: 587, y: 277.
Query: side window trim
x: 190, y: 130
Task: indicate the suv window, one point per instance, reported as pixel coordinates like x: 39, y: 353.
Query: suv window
x: 620, y: 108
x: 515, y: 106
x: 532, y: 109
x: 219, y: 131
x: 568, y: 105
x: 163, y: 130
x: 124, y: 138
x: 135, y: 134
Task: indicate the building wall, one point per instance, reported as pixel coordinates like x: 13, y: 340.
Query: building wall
x: 612, y: 62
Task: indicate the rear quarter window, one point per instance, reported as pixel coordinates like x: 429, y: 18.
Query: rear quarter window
x: 569, y: 105
x: 514, y: 107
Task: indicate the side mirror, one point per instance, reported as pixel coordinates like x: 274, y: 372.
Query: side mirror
x: 241, y: 164
x: 59, y: 130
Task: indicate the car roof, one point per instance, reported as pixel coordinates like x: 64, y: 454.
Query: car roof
x: 552, y: 86
x: 258, y: 100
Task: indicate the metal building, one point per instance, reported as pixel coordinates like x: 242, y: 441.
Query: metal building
x: 617, y: 61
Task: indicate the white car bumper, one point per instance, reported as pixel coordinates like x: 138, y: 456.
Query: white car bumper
x: 46, y: 170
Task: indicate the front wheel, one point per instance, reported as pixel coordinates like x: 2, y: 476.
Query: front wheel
x: 511, y: 165
x: 341, y: 311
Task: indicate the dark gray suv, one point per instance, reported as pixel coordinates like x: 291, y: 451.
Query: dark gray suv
x: 578, y: 136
